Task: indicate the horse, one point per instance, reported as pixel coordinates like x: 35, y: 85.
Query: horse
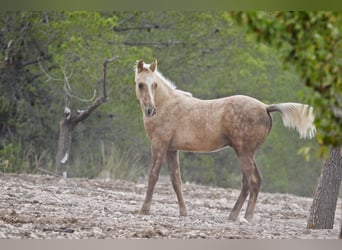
x: 176, y: 121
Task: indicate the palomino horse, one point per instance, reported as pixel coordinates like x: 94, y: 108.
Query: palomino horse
x: 174, y: 120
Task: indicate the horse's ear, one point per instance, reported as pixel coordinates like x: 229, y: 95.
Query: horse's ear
x: 140, y: 66
x: 153, y: 65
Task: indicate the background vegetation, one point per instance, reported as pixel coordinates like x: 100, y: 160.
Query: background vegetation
x: 205, y: 53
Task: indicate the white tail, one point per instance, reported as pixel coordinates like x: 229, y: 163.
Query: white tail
x: 298, y: 116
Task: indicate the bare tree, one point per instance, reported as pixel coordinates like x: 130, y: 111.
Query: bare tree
x: 71, y: 119
x: 322, y: 212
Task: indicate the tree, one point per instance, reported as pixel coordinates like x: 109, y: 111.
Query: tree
x: 79, y: 47
x: 323, y: 207
x: 25, y: 123
x: 312, y: 42
x: 71, y: 119
x: 62, y: 43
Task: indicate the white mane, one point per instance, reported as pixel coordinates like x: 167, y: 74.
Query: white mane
x: 171, y: 84
x: 165, y: 80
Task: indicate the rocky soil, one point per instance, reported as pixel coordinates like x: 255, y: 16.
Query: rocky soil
x: 45, y: 207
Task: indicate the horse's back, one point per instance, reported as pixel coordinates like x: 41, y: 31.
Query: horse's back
x: 244, y: 100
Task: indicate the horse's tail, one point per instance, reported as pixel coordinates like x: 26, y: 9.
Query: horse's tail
x: 296, y: 115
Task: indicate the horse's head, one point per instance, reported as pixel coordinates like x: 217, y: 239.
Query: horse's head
x: 145, y: 86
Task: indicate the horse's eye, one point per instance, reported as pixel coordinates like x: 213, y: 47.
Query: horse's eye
x: 141, y: 85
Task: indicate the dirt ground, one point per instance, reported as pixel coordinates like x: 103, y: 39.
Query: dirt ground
x: 45, y: 207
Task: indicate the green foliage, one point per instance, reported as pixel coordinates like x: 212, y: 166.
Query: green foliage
x: 312, y: 42
x: 205, y: 53
x: 27, y: 105
x: 9, y: 158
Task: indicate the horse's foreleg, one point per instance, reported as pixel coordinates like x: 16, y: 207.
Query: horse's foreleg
x: 157, y: 160
x: 242, y: 197
x: 172, y: 159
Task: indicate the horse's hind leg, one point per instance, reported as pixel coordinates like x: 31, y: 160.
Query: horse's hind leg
x: 251, y: 183
x: 172, y: 159
x: 254, y: 187
x: 242, y: 197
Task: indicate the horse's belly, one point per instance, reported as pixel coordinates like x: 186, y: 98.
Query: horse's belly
x: 199, y: 143
x: 203, y: 150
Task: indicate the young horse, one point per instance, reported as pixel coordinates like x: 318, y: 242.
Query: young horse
x: 174, y: 120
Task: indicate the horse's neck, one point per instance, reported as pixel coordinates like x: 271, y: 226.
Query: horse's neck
x: 164, y: 93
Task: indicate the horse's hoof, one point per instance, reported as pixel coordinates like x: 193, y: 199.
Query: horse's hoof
x: 232, y: 217
x: 144, y: 212
x: 183, y: 213
x: 249, y: 217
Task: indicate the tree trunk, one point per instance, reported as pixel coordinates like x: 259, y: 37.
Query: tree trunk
x: 66, y: 126
x: 64, y: 144
x: 322, y: 212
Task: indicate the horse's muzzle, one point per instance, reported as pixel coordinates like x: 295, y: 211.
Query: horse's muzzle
x: 150, y: 111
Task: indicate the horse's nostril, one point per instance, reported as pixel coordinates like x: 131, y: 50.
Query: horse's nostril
x: 150, y: 111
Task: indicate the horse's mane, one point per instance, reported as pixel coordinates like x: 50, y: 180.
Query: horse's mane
x: 171, y: 84
x: 165, y: 80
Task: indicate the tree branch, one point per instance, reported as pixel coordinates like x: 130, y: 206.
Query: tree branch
x: 156, y: 44
x: 147, y: 27
x: 83, y: 114
x: 104, y: 94
x: 39, y: 59
x: 47, y: 74
x: 67, y: 88
x: 31, y: 79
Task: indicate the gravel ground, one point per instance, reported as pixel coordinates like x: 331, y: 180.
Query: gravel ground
x: 45, y: 207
